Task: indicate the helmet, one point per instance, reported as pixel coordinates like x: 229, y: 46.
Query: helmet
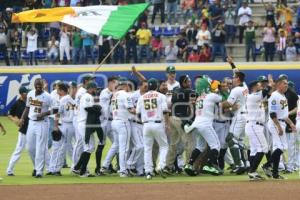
x: 203, y: 85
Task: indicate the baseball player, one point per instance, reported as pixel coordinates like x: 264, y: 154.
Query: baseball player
x: 55, y: 101
x: 78, y: 147
x: 64, y: 134
x: 279, y: 114
x: 88, y: 122
x: 122, y: 106
x: 37, y: 110
x: 237, y: 99
x: 255, y: 127
x: 106, y: 118
x: 203, y: 126
x: 152, y: 109
x: 135, y: 161
x: 15, y: 113
x: 298, y: 127
x: 171, y: 78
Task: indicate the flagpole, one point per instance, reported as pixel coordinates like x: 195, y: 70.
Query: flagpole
x: 107, y: 56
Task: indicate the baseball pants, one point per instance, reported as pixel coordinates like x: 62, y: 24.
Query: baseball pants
x: 257, y: 139
x: 21, y: 144
x: 154, y: 132
x: 90, y: 146
x: 36, y: 138
x: 206, y: 134
x: 136, y: 143
x: 78, y: 146
x: 292, y: 151
x: 237, y: 126
x: 122, y: 131
x: 278, y: 142
x: 60, y: 148
x: 114, y: 148
x: 222, y: 130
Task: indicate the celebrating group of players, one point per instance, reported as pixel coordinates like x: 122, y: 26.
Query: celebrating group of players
x: 150, y: 128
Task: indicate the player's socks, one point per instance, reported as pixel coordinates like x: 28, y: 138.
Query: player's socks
x: 275, y: 160
x: 213, y: 157
x: 221, y: 160
x: 194, y: 156
x: 85, y: 160
x: 256, y: 161
x: 251, y: 160
x: 79, y: 163
x: 99, y: 156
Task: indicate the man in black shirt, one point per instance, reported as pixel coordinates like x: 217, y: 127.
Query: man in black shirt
x: 218, y: 41
x: 182, y: 45
x: 15, y: 113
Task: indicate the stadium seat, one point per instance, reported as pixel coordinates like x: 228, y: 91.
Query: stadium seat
x: 177, y: 30
x: 258, y: 50
x: 169, y: 31
x: 1, y: 56
x: 156, y: 31
x: 41, y: 54
x: 25, y: 55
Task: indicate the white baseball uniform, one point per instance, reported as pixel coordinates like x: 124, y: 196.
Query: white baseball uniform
x: 78, y: 147
x: 151, y: 106
x: 106, y: 119
x: 278, y: 104
x: 174, y: 85
x: 37, y: 133
x: 120, y: 104
x: 205, y: 114
x: 221, y: 125
x: 60, y: 148
x: 136, y: 139
x: 86, y: 101
x: 255, y: 123
x: 238, y: 96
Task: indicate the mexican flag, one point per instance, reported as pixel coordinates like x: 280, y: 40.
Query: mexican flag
x: 112, y: 21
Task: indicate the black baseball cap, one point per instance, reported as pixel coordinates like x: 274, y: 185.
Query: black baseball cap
x: 87, y: 77
x: 262, y: 78
x: 152, y: 84
x: 122, y: 81
x: 171, y: 70
x: 23, y: 89
x: 92, y: 84
x: 72, y: 84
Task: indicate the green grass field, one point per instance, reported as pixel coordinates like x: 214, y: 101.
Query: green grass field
x: 24, y: 168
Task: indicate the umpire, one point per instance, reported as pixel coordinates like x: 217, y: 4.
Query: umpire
x: 15, y: 113
x: 182, y: 113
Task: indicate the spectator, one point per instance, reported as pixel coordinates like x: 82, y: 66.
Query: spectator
x: 119, y: 52
x: 74, y: 2
x: 16, y: 47
x: 187, y: 8
x: 157, y: 47
x: 203, y: 36
x: 171, y: 10
x: 77, y: 47
x: 64, y: 45
x: 182, y: 44
x: 54, y: 29
x: 216, y: 12
x: 144, y: 38
x: 3, y: 22
x: 281, y: 44
x: 205, y: 53
x: 18, y: 5
x: 194, y: 55
x: 291, y: 52
x: 250, y: 41
x: 47, y: 3
x: 158, y: 5
x: 245, y: 14
x: 191, y: 32
x: 3, y: 45
x: 270, y: 12
x: 230, y: 24
x: 131, y: 43
x: 53, y: 45
x: 62, y: 3
x: 32, y: 40
x: 104, y: 49
x: 269, y: 41
x: 171, y: 52
x: 87, y: 47
x: 143, y: 19
x: 218, y: 41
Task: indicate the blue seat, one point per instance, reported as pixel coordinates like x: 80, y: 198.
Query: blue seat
x: 25, y: 55
x: 156, y: 31
x: 41, y: 54
x: 177, y: 31
x: 1, y: 56
x: 258, y: 50
x: 169, y: 31
x: 46, y: 34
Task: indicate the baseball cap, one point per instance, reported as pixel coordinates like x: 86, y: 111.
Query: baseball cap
x: 152, y: 84
x: 91, y: 85
x: 262, y: 78
x: 283, y: 76
x: 23, y: 89
x: 87, y: 77
x: 291, y: 84
x: 72, y: 84
x: 171, y: 70
x: 122, y: 80
x: 253, y: 83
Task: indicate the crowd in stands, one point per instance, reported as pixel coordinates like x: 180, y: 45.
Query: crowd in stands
x: 200, y: 31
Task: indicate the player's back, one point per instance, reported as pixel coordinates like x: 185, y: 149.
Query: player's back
x: 67, y: 106
x: 120, y: 104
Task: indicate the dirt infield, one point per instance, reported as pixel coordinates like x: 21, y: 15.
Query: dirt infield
x: 272, y: 190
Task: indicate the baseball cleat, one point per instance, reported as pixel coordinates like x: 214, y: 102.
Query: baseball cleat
x: 162, y: 173
x: 57, y: 173
x: 33, y: 173
x: 87, y: 175
x: 104, y: 170
x: 278, y: 177
x: 38, y: 176
x: 10, y: 174
x: 123, y: 175
x: 149, y: 176
x: 267, y: 171
x: 255, y: 177
x: 239, y: 170
x: 76, y: 172
x: 49, y: 174
x: 189, y: 170
x: 133, y: 172
x: 211, y: 170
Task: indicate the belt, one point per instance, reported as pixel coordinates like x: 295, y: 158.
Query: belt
x: 67, y: 122
x: 221, y: 122
x: 281, y: 120
x: 257, y: 123
x: 156, y: 121
x: 109, y: 119
x: 37, y: 120
x: 243, y: 112
x: 136, y: 121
